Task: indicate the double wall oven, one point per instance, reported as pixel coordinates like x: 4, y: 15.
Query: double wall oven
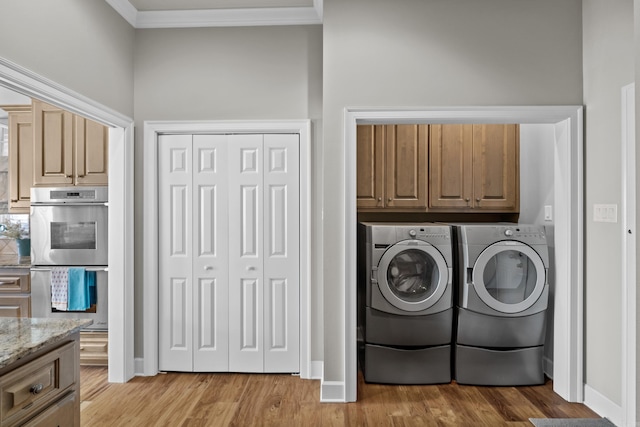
x: 69, y: 228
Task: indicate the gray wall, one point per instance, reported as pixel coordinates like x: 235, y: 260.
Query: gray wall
x: 431, y: 53
x: 83, y: 45
x: 259, y: 73
x: 608, y: 66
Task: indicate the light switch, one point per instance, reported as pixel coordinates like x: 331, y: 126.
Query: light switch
x: 605, y: 213
x: 548, y: 213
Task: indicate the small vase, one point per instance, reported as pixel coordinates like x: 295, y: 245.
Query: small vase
x: 24, y: 247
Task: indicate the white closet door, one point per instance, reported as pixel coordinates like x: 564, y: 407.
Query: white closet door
x: 281, y: 254
x: 175, y: 253
x: 246, y: 289
x: 210, y: 254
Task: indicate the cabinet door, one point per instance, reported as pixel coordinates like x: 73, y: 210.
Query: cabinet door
x: 53, y: 145
x: 20, y: 160
x: 92, y: 152
x: 495, y: 167
x: 406, y: 166
x: 370, y: 166
x: 450, y: 166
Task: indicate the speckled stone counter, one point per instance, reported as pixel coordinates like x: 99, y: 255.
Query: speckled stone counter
x: 21, y: 337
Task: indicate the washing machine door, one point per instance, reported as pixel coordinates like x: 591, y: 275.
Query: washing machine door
x: 412, y: 275
x: 509, y: 276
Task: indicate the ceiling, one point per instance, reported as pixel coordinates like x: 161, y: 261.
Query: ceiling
x: 217, y: 13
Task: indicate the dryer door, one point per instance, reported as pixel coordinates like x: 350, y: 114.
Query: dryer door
x: 509, y: 276
x: 412, y: 275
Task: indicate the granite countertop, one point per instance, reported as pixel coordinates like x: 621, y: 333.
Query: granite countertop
x: 15, y: 261
x: 20, y: 337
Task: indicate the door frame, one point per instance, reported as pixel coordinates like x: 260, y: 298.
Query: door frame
x: 569, y: 201
x: 629, y: 239
x: 152, y: 129
x: 121, y: 315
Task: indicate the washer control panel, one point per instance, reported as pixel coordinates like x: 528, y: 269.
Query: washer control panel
x: 427, y: 233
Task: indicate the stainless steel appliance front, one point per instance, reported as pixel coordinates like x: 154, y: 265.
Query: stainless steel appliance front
x: 69, y: 226
x: 41, y: 298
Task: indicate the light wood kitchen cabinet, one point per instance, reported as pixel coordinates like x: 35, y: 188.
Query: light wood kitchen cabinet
x: 392, y: 167
x: 68, y: 149
x: 474, y: 167
x: 20, y: 156
x: 42, y: 390
x: 15, y: 292
x: 94, y: 348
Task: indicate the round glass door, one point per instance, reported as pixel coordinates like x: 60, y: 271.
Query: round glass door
x: 412, y: 275
x: 509, y: 276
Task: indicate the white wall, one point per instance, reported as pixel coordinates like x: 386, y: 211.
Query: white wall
x: 432, y: 53
x: 537, y: 144
x: 608, y: 66
x: 259, y: 73
x: 83, y: 45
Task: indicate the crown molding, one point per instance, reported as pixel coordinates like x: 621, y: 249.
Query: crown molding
x: 218, y: 17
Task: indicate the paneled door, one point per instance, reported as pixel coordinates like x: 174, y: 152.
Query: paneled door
x: 228, y: 255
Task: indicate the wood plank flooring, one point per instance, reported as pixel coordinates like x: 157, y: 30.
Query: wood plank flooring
x: 183, y: 399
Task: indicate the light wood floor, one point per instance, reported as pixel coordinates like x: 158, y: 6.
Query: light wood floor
x: 178, y: 399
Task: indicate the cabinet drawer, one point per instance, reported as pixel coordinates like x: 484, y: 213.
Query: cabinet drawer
x: 27, y: 390
x: 94, y: 348
x: 15, y: 305
x: 15, y: 280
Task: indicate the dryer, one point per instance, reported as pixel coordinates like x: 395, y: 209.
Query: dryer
x: 502, y: 300
x: 406, y: 302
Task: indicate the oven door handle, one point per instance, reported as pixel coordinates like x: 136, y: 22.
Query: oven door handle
x: 35, y: 205
x: 86, y: 268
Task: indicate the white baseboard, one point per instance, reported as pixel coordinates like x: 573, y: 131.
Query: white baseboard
x: 138, y: 367
x: 602, y: 406
x: 317, y: 369
x: 332, y: 391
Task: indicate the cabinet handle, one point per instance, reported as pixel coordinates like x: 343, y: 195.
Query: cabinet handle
x: 389, y: 199
x: 379, y: 199
x: 80, y: 175
x: 36, y: 388
x: 208, y: 267
x: 251, y: 268
x: 478, y: 200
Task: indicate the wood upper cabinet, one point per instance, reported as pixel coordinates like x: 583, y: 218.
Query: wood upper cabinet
x: 20, y: 157
x: 392, y: 167
x: 68, y: 149
x: 474, y: 167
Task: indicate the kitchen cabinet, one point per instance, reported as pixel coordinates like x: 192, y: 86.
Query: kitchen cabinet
x: 20, y: 156
x: 474, y: 168
x: 42, y: 391
x: 15, y: 292
x: 94, y: 348
x: 68, y: 149
x: 392, y: 167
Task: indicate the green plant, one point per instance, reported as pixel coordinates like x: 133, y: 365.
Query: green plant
x: 11, y: 229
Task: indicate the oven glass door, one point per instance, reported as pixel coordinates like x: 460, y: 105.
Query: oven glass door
x: 41, y: 299
x: 69, y: 235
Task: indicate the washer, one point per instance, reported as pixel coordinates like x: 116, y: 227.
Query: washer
x: 406, y: 302
x: 502, y: 298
